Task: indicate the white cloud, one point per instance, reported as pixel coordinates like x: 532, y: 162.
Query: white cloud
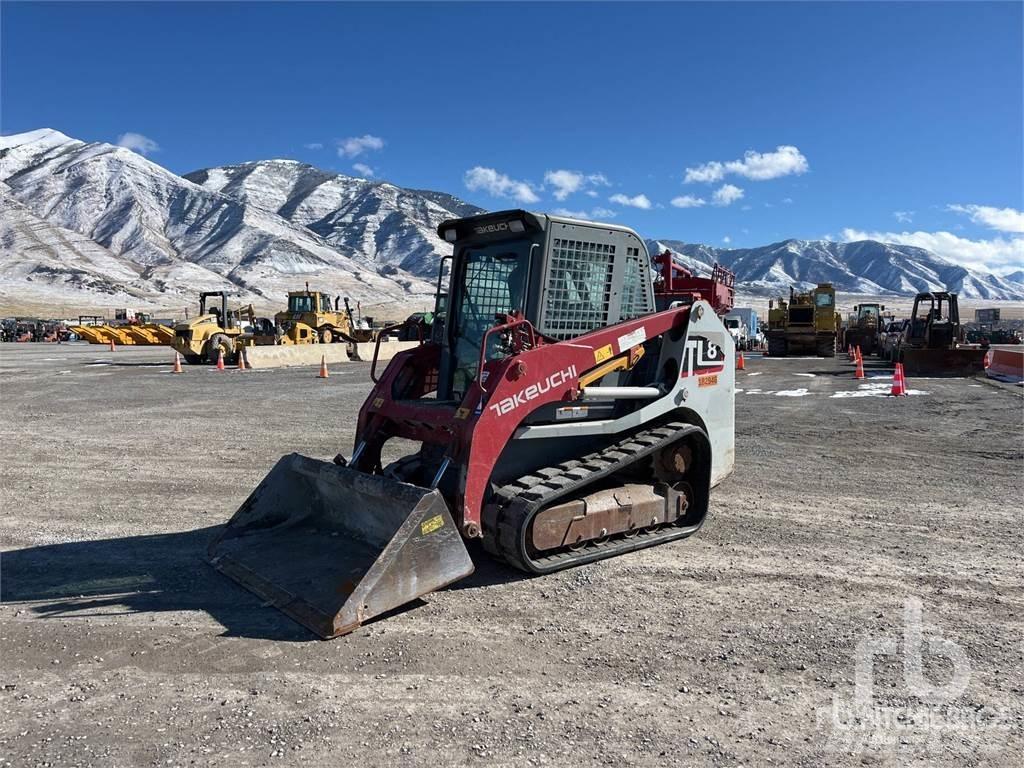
x: 363, y: 170
x: 707, y: 173
x: 987, y: 255
x: 903, y: 217
x: 1001, y: 219
x: 591, y: 193
x: 726, y: 239
x: 314, y: 145
x: 727, y: 194
x: 357, y: 145
x: 786, y: 160
x: 136, y: 142
x: 688, y: 201
x: 597, y: 214
x: 787, y: 200
x: 637, y: 201
x: 569, y: 182
x: 497, y: 184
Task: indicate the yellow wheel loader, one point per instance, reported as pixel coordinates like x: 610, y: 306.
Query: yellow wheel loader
x: 212, y: 333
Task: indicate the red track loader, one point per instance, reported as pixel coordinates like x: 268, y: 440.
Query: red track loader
x: 561, y: 418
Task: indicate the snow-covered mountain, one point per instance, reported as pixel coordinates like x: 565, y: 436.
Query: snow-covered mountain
x: 162, y: 236
x: 93, y: 224
x: 392, y: 226
x: 866, y: 266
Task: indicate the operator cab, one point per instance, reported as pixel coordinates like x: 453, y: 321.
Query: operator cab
x: 566, y: 277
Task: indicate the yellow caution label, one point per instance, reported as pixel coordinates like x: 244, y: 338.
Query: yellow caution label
x: 462, y: 413
x: 603, y: 353
x: 378, y: 402
x: 707, y: 381
x: 431, y: 525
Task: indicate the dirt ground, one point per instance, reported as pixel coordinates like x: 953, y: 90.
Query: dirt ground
x: 854, y: 526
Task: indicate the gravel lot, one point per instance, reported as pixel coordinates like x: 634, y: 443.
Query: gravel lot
x: 846, y: 515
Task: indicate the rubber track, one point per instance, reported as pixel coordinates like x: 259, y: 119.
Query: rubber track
x: 508, y: 517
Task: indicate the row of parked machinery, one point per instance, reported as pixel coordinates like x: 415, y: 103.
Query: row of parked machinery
x: 932, y: 340
x: 312, y: 317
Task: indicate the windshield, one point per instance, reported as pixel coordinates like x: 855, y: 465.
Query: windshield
x: 325, y: 303
x: 300, y: 304
x: 732, y: 323
x: 491, y: 281
x: 823, y: 299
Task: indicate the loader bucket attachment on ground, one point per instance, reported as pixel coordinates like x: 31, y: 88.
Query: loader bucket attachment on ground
x: 943, y: 362
x: 333, y: 547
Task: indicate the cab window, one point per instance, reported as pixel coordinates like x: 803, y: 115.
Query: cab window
x: 823, y: 299
x: 300, y: 303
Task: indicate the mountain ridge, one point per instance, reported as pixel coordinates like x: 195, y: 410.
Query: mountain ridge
x: 99, y: 224
x: 860, y: 267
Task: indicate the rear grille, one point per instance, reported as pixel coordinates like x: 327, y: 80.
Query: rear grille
x: 801, y: 315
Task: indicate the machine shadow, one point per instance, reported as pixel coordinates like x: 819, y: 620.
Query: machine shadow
x: 138, y: 574
x: 124, y: 364
x: 168, y: 572
x: 488, y: 572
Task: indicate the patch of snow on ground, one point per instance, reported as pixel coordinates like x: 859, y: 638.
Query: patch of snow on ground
x: 875, y: 390
x: 756, y: 373
x: 792, y: 392
x: 808, y: 375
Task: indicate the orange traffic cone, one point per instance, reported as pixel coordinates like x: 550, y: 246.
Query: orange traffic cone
x: 220, y: 360
x: 740, y: 364
x: 241, y: 359
x: 177, y: 363
x: 323, y: 368
x: 899, y: 385
x: 112, y: 347
x: 859, y: 373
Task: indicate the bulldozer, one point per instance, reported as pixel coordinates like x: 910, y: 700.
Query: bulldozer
x: 311, y: 318
x: 864, y: 329
x: 213, y: 333
x: 806, y: 324
x: 560, y: 418
x: 931, y: 342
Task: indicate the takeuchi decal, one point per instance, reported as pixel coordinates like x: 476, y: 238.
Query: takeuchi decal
x: 702, y: 357
x: 532, y: 392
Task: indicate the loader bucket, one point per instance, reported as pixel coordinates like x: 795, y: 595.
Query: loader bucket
x: 333, y: 547
x: 943, y: 362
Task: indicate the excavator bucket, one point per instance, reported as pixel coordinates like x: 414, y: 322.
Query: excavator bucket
x: 943, y: 362
x: 333, y: 547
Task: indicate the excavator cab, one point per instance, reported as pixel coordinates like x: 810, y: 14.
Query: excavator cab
x: 561, y: 418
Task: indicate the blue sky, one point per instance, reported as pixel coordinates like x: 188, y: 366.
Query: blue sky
x: 760, y: 121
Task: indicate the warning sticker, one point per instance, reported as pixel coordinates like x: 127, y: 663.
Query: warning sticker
x: 603, y: 353
x: 631, y: 339
x: 462, y: 413
x: 707, y: 381
x: 378, y: 402
x: 431, y: 525
x: 571, y: 412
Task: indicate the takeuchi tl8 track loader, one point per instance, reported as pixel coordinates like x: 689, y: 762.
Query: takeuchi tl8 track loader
x: 561, y: 419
